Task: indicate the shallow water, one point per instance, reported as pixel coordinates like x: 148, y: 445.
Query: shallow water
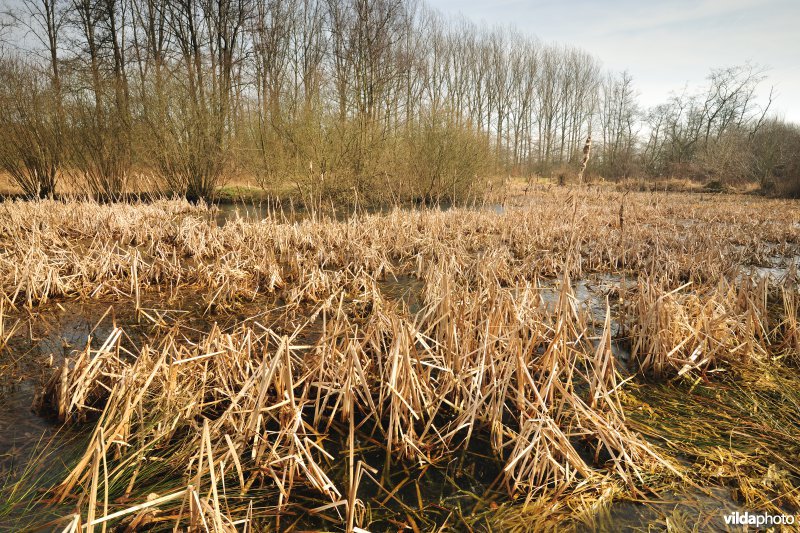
x: 778, y: 268
x: 20, y: 429
x: 593, y: 294
x: 404, y: 289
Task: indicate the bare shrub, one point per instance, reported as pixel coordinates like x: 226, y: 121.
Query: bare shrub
x: 31, y: 146
x: 443, y: 160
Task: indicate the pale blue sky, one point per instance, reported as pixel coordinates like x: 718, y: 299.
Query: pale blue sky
x: 665, y: 45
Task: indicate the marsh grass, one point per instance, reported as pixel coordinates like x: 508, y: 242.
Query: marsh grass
x: 336, y: 401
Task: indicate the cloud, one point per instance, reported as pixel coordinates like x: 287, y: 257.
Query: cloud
x: 644, y: 16
x: 664, y: 45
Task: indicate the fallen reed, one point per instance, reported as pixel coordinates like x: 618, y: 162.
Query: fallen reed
x: 501, y: 357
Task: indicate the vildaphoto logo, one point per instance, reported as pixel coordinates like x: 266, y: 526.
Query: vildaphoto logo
x: 752, y: 519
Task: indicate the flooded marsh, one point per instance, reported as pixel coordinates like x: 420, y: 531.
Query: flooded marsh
x: 575, y: 360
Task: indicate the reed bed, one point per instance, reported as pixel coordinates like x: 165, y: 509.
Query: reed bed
x: 312, y: 406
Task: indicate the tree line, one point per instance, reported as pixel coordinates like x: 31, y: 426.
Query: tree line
x: 372, y: 98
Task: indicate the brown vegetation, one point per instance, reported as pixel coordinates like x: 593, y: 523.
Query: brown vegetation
x: 501, y: 362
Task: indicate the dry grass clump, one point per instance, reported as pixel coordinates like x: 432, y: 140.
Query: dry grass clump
x: 6, y: 332
x: 680, y: 331
x: 788, y: 331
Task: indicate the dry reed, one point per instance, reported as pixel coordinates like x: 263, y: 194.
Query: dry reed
x: 492, y: 355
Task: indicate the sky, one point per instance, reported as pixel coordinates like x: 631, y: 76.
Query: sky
x: 665, y: 45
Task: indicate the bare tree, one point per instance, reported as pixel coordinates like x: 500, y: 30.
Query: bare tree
x: 193, y: 135
x: 43, y: 19
x: 618, y: 117
x: 339, y: 97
